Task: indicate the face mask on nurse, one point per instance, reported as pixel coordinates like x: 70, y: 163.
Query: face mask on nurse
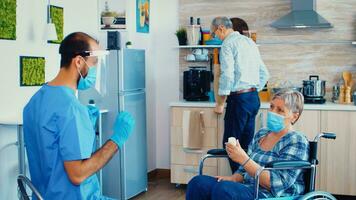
x: 89, y: 80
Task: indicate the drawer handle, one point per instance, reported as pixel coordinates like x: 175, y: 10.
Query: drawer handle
x: 202, y: 123
x: 261, y: 120
x: 190, y: 170
x: 192, y: 151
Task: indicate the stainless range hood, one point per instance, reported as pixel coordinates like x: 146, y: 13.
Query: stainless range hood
x: 303, y: 15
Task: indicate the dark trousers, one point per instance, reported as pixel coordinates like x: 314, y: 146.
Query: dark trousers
x: 207, y: 188
x: 241, y: 111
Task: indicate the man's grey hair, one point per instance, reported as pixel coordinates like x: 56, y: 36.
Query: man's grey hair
x: 217, y: 21
x: 293, y: 100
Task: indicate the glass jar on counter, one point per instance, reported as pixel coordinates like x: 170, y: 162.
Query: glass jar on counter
x: 336, y: 93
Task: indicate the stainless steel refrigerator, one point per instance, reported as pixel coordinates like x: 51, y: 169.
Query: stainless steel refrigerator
x: 125, y: 175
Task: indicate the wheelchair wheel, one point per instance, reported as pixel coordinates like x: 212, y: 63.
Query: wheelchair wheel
x: 318, y: 195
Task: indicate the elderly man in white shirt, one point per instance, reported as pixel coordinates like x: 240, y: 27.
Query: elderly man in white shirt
x: 243, y: 74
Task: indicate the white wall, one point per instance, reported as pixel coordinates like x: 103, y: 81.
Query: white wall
x: 31, y: 20
x: 162, y: 74
x: 164, y: 17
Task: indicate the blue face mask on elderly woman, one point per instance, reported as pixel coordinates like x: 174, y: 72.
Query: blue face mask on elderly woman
x: 88, y: 81
x: 275, y: 122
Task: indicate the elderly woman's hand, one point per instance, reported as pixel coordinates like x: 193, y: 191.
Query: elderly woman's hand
x: 236, y: 153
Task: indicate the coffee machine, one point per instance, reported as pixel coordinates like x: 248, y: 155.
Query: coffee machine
x: 196, y: 84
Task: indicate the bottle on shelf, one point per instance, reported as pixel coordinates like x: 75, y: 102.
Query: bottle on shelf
x: 201, y: 32
x: 191, y: 20
x: 193, y: 33
x: 336, y: 92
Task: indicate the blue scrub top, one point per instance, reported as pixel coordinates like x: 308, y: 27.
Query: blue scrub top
x: 57, y: 128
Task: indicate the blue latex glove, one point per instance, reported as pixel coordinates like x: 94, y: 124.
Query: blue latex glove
x: 93, y: 114
x: 123, y: 127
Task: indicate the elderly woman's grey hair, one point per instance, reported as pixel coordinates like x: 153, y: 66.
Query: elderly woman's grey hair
x: 293, y: 100
x: 217, y: 21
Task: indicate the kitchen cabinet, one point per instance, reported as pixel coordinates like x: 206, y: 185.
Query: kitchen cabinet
x: 223, y: 163
x: 338, y: 160
x: 309, y: 123
x: 185, y: 162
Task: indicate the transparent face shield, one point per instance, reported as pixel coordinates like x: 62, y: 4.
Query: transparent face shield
x: 101, y: 75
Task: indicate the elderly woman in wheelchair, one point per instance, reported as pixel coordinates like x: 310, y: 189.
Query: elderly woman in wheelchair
x: 277, y: 142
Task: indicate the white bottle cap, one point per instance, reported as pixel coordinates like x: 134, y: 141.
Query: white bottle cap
x: 232, y: 141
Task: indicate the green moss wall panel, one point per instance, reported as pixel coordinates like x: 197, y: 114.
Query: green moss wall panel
x: 58, y: 20
x: 32, y: 71
x: 8, y: 19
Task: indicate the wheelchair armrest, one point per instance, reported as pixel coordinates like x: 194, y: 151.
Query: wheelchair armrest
x: 217, y: 152
x: 288, y: 164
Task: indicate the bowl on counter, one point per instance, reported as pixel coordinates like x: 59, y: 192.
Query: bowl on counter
x: 276, y: 90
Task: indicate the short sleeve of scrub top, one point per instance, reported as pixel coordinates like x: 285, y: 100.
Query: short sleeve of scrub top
x: 76, y: 134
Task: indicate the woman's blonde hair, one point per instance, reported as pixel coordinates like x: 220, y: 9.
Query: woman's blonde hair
x: 293, y: 100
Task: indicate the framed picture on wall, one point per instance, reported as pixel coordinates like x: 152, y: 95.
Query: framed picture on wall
x: 143, y: 16
x: 8, y: 19
x: 32, y: 71
x: 57, y: 17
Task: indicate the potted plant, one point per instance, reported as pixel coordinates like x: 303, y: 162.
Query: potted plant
x: 128, y: 44
x: 108, y: 17
x: 182, y: 36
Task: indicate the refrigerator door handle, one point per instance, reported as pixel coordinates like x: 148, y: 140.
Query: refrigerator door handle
x: 131, y: 93
x: 134, y: 90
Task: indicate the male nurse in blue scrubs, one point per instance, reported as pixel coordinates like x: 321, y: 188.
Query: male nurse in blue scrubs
x: 58, y: 130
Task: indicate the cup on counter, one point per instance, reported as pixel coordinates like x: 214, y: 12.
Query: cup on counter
x: 251, y: 34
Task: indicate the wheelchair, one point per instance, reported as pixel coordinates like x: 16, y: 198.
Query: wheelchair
x: 22, y: 181
x: 309, y: 168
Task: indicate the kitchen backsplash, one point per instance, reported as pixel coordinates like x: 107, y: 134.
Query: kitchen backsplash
x: 289, y: 54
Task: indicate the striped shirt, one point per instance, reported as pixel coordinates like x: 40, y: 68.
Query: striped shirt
x: 292, y: 146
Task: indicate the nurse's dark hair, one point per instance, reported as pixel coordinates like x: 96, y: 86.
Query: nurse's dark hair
x: 72, y: 45
x: 239, y: 25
